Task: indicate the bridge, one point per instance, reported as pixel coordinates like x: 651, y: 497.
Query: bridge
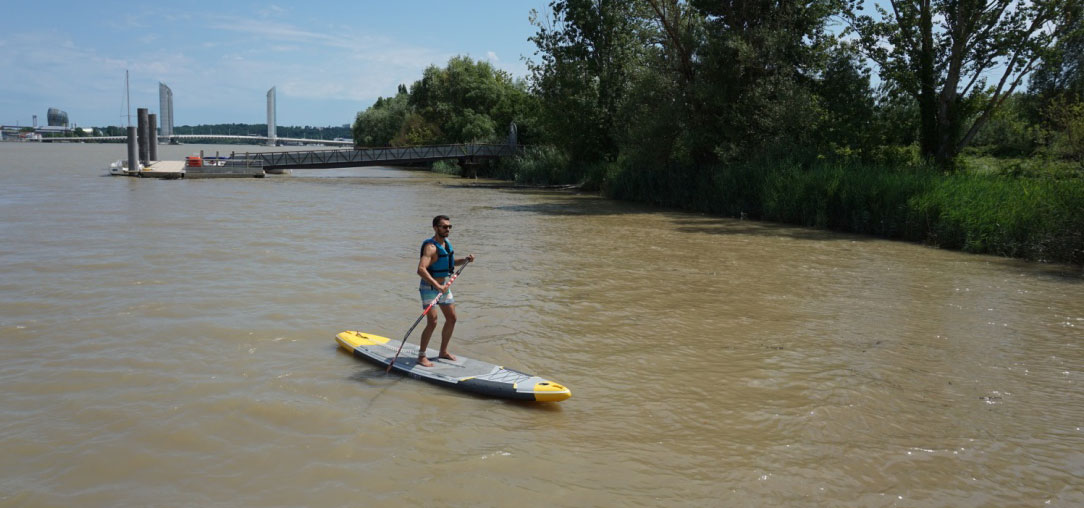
x: 258, y: 164
x: 212, y: 137
x: 465, y: 154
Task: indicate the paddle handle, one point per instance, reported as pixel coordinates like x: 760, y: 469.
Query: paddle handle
x: 424, y: 312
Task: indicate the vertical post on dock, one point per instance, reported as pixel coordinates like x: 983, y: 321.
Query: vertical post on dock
x: 152, y: 139
x: 141, y: 114
x: 133, y: 161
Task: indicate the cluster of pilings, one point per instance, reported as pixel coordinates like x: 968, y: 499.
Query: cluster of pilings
x: 142, y: 140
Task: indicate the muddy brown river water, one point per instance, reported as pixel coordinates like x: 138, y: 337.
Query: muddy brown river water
x: 170, y: 343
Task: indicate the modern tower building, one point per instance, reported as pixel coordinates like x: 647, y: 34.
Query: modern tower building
x: 165, y: 111
x: 57, y: 118
x: 271, y: 117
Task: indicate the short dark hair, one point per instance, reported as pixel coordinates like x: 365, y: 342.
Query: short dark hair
x: 439, y: 218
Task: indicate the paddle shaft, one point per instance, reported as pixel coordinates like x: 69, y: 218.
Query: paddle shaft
x: 424, y: 312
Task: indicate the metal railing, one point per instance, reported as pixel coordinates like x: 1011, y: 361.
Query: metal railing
x: 244, y: 162
x: 377, y: 156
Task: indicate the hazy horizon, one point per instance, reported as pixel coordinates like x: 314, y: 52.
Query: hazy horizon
x: 327, y: 60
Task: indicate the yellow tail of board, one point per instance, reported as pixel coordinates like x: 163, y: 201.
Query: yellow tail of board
x: 351, y: 339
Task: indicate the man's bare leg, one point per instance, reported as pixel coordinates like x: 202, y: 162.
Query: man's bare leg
x: 446, y: 332
x: 427, y: 333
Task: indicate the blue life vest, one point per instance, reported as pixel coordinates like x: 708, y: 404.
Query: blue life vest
x: 445, y: 263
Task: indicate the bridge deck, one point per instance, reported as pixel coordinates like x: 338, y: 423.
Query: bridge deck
x: 345, y: 158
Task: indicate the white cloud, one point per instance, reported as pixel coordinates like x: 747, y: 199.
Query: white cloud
x: 272, y: 11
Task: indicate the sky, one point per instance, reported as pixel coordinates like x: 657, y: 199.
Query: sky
x: 327, y: 59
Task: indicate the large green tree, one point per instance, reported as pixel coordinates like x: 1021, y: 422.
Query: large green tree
x: 1061, y: 74
x: 849, y: 111
x: 1057, y: 96
x: 691, y: 82
x: 588, y: 50
x: 379, y: 124
x: 466, y: 101
x: 757, y: 71
x: 470, y: 101
x: 943, y: 52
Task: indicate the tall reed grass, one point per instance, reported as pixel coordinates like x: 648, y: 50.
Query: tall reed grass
x: 1033, y: 218
x: 1030, y: 216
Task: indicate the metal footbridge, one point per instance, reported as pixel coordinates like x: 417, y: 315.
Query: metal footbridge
x: 466, y: 154
x: 199, y: 137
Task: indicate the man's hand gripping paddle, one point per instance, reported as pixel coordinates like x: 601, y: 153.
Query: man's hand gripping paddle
x: 424, y: 312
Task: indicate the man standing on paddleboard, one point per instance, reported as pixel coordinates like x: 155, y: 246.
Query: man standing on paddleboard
x: 437, y: 263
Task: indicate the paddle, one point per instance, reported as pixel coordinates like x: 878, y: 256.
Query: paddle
x: 424, y: 312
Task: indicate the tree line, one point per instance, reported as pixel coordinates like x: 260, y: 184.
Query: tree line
x: 958, y: 123
x: 694, y: 84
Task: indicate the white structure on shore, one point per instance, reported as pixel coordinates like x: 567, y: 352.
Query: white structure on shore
x: 165, y: 111
x: 271, y: 117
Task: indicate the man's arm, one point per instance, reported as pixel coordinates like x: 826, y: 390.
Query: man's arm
x: 460, y: 261
x: 428, y: 253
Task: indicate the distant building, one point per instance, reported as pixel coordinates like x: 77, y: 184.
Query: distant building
x: 165, y: 110
x: 57, y: 118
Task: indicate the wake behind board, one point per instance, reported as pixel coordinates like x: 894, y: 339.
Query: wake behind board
x: 465, y: 374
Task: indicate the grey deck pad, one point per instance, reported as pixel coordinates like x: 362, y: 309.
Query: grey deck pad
x: 443, y: 370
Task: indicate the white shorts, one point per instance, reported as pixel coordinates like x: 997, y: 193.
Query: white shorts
x: 428, y: 293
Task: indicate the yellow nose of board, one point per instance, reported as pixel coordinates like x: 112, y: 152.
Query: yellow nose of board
x: 548, y: 391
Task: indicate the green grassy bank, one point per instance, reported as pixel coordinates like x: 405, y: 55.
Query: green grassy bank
x: 1033, y: 214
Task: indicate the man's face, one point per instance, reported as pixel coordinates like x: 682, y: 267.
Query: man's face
x: 443, y: 228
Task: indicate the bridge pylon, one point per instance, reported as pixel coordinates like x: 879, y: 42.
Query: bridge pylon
x: 271, y: 129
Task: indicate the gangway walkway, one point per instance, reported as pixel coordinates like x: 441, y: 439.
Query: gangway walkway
x: 347, y: 158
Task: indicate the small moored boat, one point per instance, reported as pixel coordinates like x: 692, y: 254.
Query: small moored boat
x: 120, y: 168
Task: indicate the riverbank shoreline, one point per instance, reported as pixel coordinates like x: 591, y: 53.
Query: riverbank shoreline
x: 1035, y: 217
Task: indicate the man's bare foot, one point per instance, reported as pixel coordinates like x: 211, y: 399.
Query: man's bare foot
x: 424, y: 362
x: 448, y: 356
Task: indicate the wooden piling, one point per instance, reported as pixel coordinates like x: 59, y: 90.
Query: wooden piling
x: 133, y: 160
x: 152, y: 138
x: 141, y: 114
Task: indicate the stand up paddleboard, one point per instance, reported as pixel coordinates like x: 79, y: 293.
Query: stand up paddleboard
x: 464, y: 374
